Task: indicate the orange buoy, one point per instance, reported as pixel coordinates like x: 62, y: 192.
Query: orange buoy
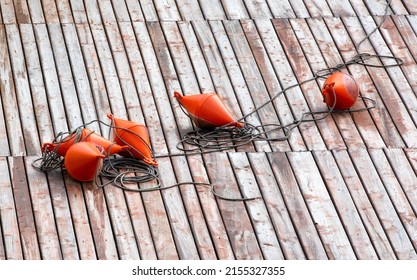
x: 83, y: 161
x: 135, y: 136
x: 61, y: 147
x: 343, y: 87
x: 109, y: 147
x: 84, y: 135
x: 206, y: 110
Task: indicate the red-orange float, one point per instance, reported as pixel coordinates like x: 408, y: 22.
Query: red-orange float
x: 61, y: 147
x: 206, y: 110
x: 83, y: 161
x: 84, y: 135
x: 135, y: 136
x: 343, y: 87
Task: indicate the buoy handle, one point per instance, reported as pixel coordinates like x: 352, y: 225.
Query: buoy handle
x: 178, y: 95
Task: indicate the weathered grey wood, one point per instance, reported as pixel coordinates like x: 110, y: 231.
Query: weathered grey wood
x: 345, y: 206
x: 190, y: 9
x: 37, y: 87
x: 80, y: 220
x: 281, y: 8
x: 258, y: 214
x: 296, y: 75
x: 9, y: 100
x: 258, y: 9
x: 317, y: 8
x: 235, y: 216
x: 253, y: 30
x: 135, y: 11
x: 50, y: 11
x: 78, y: 11
x: 297, y: 208
x: 212, y: 10
x: 64, y: 11
x: 278, y: 213
x: 167, y: 10
x: 21, y: 10
x: 36, y: 11
x: 24, y: 209
x: 321, y: 207
x: 235, y: 9
x: 9, y: 223
x: 8, y: 12
x: 384, y: 208
x: 363, y: 203
x: 63, y: 216
x: 43, y: 214
x: 396, y: 194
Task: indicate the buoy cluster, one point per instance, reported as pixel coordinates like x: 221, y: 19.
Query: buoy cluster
x: 81, y: 152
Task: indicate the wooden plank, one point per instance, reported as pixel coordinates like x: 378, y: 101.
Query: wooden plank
x: 190, y: 9
x: 78, y: 11
x: 258, y: 9
x: 80, y: 77
x: 365, y: 208
x: 107, y: 12
x: 235, y: 216
x: 376, y: 7
x: 37, y: 87
x: 387, y: 88
x: 352, y: 128
x: 63, y: 216
x: 278, y: 213
x: 36, y: 11
x: 43, y: 212
x: 22, y: 11
x: 306, y: 230
x: 270, y: 78
x: 4, y: 143
x: 23, y: 94
x: 93, y: 12
x: 317, y: 8
x: 359, y: 7
x: 8, y: 216
x: 80, y: 219
x: 395, y: 191
x: 8, y: 12
x: 321, y: 207
x: 104, y: 235
x: 96, y: 82
x: 64, y: 11
x: 135, y: 10
x: 241, y: 67
x: 409, y: 36
x: 258, y: 213
x: 120, y: 10
x: 69, y: 94
x: 405, y: 81
x: 338, y: 130
x: 149, y: 10
x: 299, y: 8
x: 255, y: 83
x: 50, y: 11
x: 398, y: 7
x: 344, y: 204
x: 378, y: 116
x: 281, y: 9
x: 235, y: 9
x: 411, y: 7
x: 212, y: 10
x: 158, y: 220
x: 384, y: 208
x: 341, y: 8
x: 195, y: 213
x: 24, y: 210
x: 52, y: 88
x: 9, y: 99
x: 167, y: 10
x: 303, y: 103
x: 402, y: 164
x: 213, y: 217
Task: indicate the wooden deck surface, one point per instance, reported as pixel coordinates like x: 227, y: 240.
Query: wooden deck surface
x: 341, y: 188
